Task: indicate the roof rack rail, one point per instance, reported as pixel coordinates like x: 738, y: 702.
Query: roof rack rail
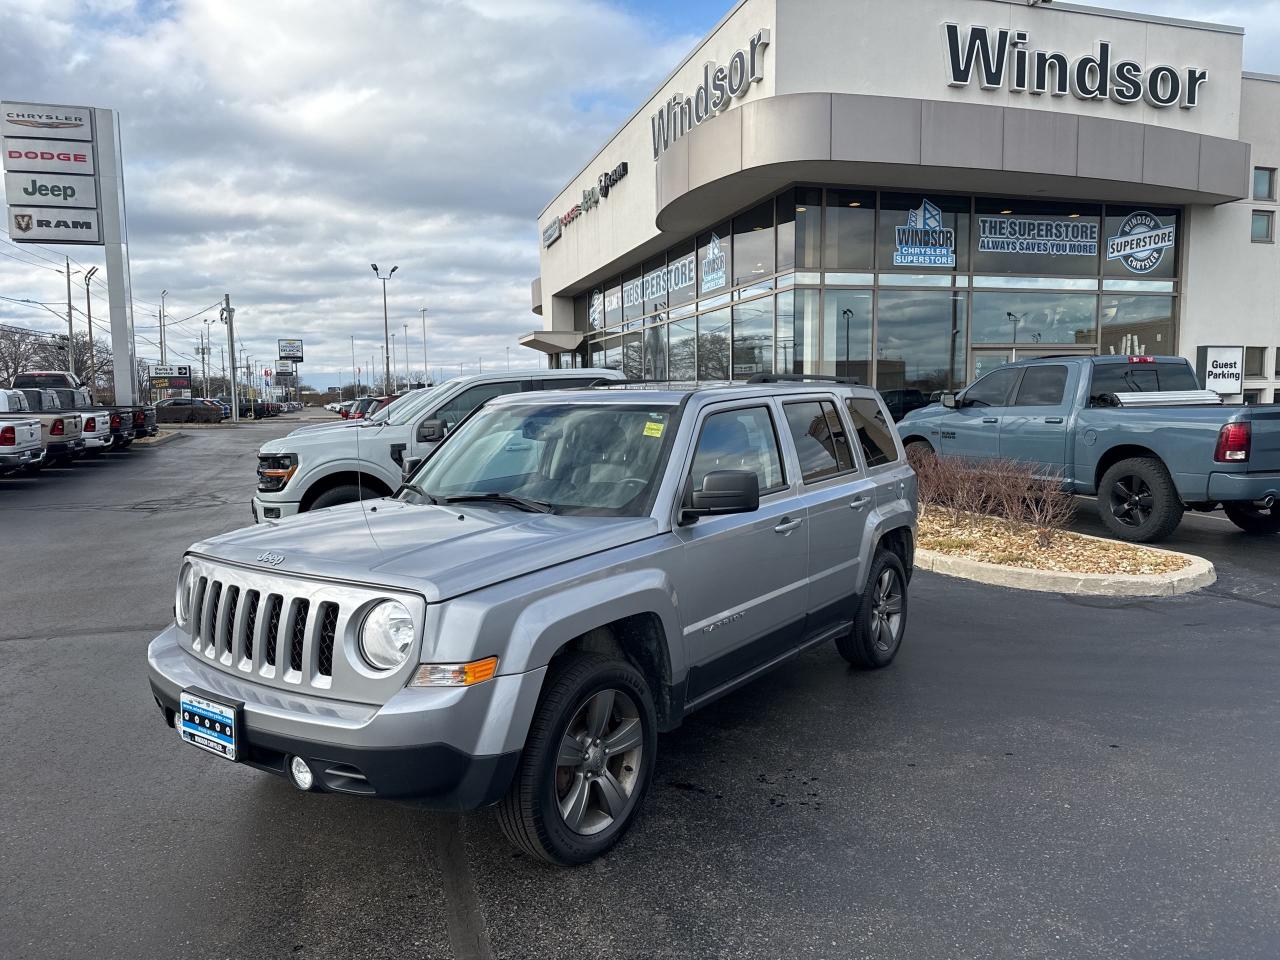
x: 801, y: 378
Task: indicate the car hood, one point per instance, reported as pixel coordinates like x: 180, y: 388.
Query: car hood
x: 440, y: 552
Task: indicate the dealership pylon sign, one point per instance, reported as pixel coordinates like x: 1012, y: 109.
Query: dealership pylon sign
x: 64, y: 183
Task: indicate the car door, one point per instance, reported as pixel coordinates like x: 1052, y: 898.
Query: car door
x: 1034, y: 430
x: 837, y: 496
x: 972, y: 429
x: 743, y: 595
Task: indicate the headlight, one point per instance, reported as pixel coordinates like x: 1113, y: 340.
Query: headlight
x: 386, y: 635
x: 275, y: 471
x: 186, y: 595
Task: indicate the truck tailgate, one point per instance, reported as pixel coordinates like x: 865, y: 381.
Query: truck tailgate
x: 1264, y: 448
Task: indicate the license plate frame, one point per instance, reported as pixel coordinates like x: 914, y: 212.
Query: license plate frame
x: 211, y: 723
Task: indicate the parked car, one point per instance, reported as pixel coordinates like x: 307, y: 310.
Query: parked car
x: 902, y: 402
x: 332, y: 464
x: 96, y: 427
x: 20, y: 444
x: 60, y: 431
x: 188, y: 410
x: 223, y: 405
x: 1137, y: 431
x: 566, y: 575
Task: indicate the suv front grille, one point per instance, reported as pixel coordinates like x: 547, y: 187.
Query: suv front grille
x: 286, y: 631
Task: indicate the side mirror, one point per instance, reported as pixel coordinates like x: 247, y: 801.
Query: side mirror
x: 410, y: 467
x: 950, y: 401
x: 724, y: 492
x: 431, y: 431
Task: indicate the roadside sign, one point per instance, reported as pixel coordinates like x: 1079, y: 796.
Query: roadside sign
x: 170, y: 383
x: 1221, y: 369
x: 51, y: 189
x: 53, y: 225
x: 169, y: 370
x: 48, y: 120
x: 51, y: 163
x: 289, y: 350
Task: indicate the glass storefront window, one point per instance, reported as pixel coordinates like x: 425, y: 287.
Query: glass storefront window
x: 1141, y: 242
x: 633, y: 295
x: 713, y: 345
x: 715, y: 260
x: 923, y: 232
x: 655, y: 352
x: 1137, y: 326
x: 612, y: 353
x: 1019, y: 317
x: 800, y: 228
x: 846, y: 334
x: 613, y: 302
x: 655, y: 285
x: 682, y: 275
x: 753, y: 244
x: 850, y: 231
x: 796, y: 341
x: 633, y: 356
x: 920, y: 347
x: 1041, y: 239
x: 753, y: 338
x: 682, y: 350
x: 1038, y: 283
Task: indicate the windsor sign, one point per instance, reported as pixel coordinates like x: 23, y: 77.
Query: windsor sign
x: 1002, y: 58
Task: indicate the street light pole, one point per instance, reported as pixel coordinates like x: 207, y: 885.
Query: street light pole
x: 406, y: 357
x: 71, y: 330
x: 395, y: 375
x: 355, y: 388
x: 386, y: 325
x: 426, y: 373
x: 88, y: 312
x: 164, y: 357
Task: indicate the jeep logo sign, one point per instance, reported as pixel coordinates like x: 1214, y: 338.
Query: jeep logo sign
x: 51, y: 190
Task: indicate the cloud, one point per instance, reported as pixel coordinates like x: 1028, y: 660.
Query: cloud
x: 273, y: 151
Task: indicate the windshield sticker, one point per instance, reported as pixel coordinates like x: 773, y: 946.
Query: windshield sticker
x: 652, y: 429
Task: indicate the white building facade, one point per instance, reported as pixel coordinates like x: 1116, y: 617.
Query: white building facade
x: 915, y: 192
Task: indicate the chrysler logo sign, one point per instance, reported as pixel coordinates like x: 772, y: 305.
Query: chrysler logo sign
x: 590, y: 198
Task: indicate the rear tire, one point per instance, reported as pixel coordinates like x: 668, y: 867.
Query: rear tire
x: 574, y: 795
x: 1254, y: 521
x: 347, y: 493
x: 881, y: 620
x: 1138, y: 502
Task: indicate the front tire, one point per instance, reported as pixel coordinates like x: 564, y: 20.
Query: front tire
x: 586, y: 764
x: 347, y: 493
x: 1138, y: 502
x: 881, y: 620
x: 1254, y: 521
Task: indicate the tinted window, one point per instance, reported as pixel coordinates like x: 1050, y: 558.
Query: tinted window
x: 1140, y: 378
x: 993, y: 389
x: 570, y: 383
x: 821, y: 443
x: 739, y: 440
x: 874, y: 433
x: 1042, y: 387
x: 468, y: 400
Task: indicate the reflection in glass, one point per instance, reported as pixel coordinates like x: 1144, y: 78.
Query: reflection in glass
x: 655, y: 285
x: 846, y: 334
x: 632, y: 295
x: 613, y: 353
x: 796, y: 341
x: 753, y: 244
x: 920, y: 346
x: 753, y: 338
x: 1037, y: 283
x: 1137, y: 326
x: 682, y: 275
x: 655, y: 352
x: 849, y: 239
x: 984, y: 361
x: 1032, y: 318
x: 613, y: 303
x: 713, y: 345
x: 633, y: 356
x: 682, y: 355
x: 915, y: 280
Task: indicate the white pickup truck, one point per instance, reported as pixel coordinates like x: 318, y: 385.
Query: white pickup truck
x: 20, y: 445
x: 60, y: 434
x: 333, y: 463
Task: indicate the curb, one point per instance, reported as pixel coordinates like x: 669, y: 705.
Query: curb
x: 164, y: 436
x: 1199, y: 573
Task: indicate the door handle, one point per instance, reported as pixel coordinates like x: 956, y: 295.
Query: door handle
x: 990, y: 419
x: 1052, y: 419
x: 859, y: 502
x: 787, y: 525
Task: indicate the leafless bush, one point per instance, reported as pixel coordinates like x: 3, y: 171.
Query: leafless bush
x: 1005, y: 489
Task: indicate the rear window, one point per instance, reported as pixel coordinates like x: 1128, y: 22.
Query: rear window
x: 1141, y: 378
x: 874, y: 433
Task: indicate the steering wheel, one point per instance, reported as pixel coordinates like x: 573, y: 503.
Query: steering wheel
x: 640, y: 481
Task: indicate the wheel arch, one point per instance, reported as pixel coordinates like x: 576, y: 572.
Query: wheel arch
x: 342, y: 478
x: 1123, y: 451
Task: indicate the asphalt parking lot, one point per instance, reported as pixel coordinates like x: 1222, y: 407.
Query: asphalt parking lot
x: 1034, y: 777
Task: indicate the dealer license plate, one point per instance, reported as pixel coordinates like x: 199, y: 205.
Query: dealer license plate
x: 208, y: 724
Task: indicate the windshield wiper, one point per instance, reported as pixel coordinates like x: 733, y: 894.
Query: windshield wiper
x: 533, y: 506
x: 420, y: 492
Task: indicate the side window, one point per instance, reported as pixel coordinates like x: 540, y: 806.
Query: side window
x: 739, y: 440
x: 874, y: 433
x: 468, y: 400
x: 1042, y: 387
x: 993, y: 389
x: 569, y: 383
x: 821, y: 443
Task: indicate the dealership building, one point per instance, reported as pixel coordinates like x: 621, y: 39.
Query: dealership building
x: 915, y: 192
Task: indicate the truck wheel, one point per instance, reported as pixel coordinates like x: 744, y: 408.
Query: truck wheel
x: 347, y: 493
x: 587, y: 762
x: 1253, y: 520
x: 1138, y: 502
x: 881, y: 619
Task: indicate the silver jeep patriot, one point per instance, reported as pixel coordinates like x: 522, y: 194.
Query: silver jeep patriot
x: 566, y: 575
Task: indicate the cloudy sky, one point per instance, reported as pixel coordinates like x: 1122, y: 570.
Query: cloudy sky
x: 275, y: 149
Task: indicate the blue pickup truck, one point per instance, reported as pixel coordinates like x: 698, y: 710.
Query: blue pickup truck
x: 1136, y: 431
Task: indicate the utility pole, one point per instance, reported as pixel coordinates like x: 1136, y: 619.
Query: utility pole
x: 227, y: 315
x: 71, y: 331
x: 508, y: 359
x: 88, y: 312
x: 222, y: 351
x: 426, y: 372
x: 164, y: 357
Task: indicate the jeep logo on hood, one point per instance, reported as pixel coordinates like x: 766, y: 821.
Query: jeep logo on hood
x: 275, y: 559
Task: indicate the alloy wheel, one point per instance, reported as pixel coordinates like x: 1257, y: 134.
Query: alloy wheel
x: 1132, y: 501
x: 886, y: 610
x: 598, y: 765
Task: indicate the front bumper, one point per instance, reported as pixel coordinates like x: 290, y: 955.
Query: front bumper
x: 1229, y: 487
x: 423, y: 744
x: 264, y: 510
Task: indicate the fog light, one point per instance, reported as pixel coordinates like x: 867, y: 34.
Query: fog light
x: 271, y: 513
x: 303, y: 778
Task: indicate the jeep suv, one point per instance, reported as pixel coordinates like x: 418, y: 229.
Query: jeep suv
x: 567, y: 574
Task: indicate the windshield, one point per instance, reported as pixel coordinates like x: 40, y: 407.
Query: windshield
x: 403, y: 409
x: 600, y: 459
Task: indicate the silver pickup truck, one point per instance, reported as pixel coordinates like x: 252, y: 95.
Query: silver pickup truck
x: 567, y: 573
x: 20, y: 445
